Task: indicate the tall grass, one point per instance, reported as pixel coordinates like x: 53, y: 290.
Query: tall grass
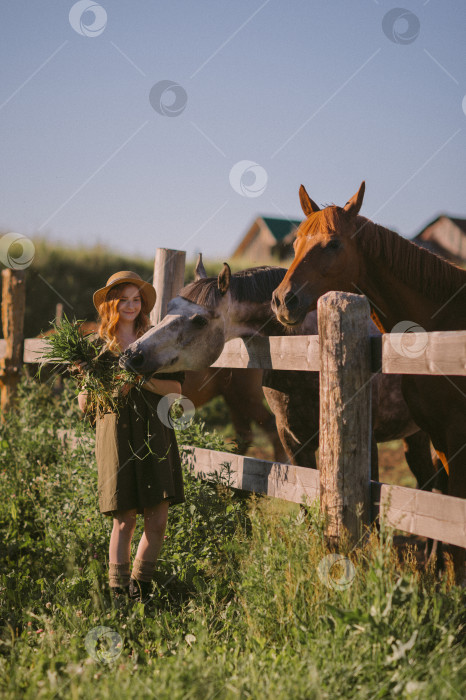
x: 243, y: 610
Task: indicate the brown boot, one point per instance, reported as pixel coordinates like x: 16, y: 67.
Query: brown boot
x: 119, y: 595
x: 140, y: 591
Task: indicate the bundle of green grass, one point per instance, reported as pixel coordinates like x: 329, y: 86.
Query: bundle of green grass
x: 100, y: 377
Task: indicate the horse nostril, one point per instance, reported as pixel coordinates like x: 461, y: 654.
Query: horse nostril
x: 134, y: 361
x: 291, y: 301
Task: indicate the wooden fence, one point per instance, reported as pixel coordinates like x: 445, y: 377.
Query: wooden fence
x: 346, y: 356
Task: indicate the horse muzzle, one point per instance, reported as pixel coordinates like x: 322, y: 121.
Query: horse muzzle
x: 290, y: 309
x: 133, y: 361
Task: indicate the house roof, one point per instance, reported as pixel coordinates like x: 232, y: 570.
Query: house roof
x: 460, y: 223
x: 431, y: 237
x: 280, y: 228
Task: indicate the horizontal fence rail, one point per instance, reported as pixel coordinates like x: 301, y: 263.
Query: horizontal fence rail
x: 301, y: 352
x: 436, y: 352
x: 418, y: 512
x: 422, y: 512
x: 275, y: 479
x: 395, y: 353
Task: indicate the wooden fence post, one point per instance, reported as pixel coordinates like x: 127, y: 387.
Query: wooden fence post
x: 345, y: 413
x: 168, y: 279
x: 58, y: 313
x: 13, y: 307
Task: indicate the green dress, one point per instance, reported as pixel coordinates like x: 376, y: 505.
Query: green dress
x: 138, y: 462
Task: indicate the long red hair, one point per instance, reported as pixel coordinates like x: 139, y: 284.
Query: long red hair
x: 109, y: 317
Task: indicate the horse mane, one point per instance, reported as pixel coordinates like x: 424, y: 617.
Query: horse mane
x: 430, y: 274
x: 254, y: 284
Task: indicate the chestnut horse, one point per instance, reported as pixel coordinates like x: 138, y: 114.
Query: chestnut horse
x: 336, y: 249
x: 210, y: 311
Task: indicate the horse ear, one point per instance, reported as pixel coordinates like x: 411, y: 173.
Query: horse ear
x: 354, y: 204
x: 199, y: 270
x: 223, y: 279
x: 308, y: 206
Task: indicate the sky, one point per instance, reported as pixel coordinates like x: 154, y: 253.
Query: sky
x: 143, y: 124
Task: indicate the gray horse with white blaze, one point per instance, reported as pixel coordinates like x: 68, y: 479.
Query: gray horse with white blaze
x: 198, y: 323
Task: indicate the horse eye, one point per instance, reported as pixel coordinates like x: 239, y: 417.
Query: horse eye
x: 333, y: 245
x: 198, y: 320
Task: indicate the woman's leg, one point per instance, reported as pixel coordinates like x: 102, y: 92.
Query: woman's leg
x: 124, y: 523
x: 155, y: 523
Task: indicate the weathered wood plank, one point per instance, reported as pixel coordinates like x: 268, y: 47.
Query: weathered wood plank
x: 33, y: 349
x: 168, y: 279
x: 422, y: 513
x: 300, y: 352
x: 13, y: 306
x: 345, y: 413
x: 438, y: 352
x: 283, y: 481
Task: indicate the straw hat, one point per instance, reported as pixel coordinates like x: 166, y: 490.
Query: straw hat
x: 127, y: 277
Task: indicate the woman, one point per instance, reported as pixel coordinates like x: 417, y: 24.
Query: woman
x: 138, y: 463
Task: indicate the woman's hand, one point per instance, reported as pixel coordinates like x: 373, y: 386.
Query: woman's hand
x: 80, y: 367
x: 162, y: 386
x: 82, y: 400
x: 126, y: 388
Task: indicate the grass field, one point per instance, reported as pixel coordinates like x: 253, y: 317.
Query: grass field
x: 246, y: 605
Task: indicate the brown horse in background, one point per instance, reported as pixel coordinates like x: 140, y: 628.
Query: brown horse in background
x: 335, y: 249
x: 242, y: 391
